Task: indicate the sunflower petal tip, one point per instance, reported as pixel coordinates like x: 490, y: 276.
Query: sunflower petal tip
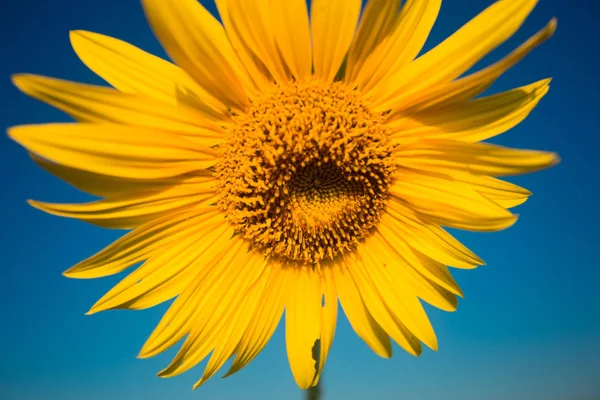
x: 67, y: 273
x: 76, y: 33
x: 165, y: 373
x: 386, y: 354
x: 201, y: 382
x: 552, y: 25
x: 228, y: 374
x: 35, y: 204
x: 12, y: 133
x: 18, y: 78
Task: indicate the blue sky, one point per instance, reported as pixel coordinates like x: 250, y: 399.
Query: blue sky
x: 528, y: 328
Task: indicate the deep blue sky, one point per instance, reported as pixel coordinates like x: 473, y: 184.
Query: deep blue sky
x: 529, y: 327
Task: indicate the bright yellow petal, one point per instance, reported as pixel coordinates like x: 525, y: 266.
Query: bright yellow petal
x: 401, y: 46
x: 166, y: 273
x: 134, y: 247
x: 377, y: 22
x: 383, y: 251
x: 251, y: 20
x: 333, y: 24
x: 504, y: 193
x: 393, y: 285
x: 477, y: 158
x: 449, y: 203
x: 115, y: 150
x: 88, y: 103
x: 359, y: 316
x: 275, y: 32
x: 207, y: 330
x: 131, y: 70
x: 303, y: 324
x: 470, y: 121
x: 197, y: 42
x: 427, y: 238
x: 264, y: 320
x: 454, y: 56
x: 476, y: 83
x: 290, y: 24
x: 235, y: 328
x: 196, y: 304
x: 131, y: 210
x: 423, y: 265
x: 256, y: 69
x: 329, y: 311
x: 376, y: 305
x: 102, y: 185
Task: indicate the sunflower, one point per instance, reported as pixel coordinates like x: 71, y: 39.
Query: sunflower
x: 285, y: 163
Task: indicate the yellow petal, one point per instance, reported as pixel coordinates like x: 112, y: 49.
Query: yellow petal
x: 251, y: 20
x: 401, y: 46
x: 109, y: 186
x: 134, y: 247
x: 477, y: 158
x: 377, y: 22
x: 359, y: 316
x: 504, y: 193
x: 375, y: 302
x: 303, y: 325
x: 329, y: 310
x: 471, y: 121
x: 261, y: 25
x: 115, y: 150
x: 131, y: 70
x: 476, y: 83
x: 131, y: 210
x: 264, y: 320
x: 449, y: 203
x: 398, y: 268
x: 333, y: 24
x: 427, y: 238
x: 291, y: 28
x: 196, y: 304
x: 88, y: 103
x: 454, y: 56
x: 166, y: 273
x: 196, y: 41
x: 394, y: 287
x: 207, y: 330
x: 256, y: 69
x: 234, y: 330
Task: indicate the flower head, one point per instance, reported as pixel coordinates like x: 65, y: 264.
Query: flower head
x: 288, y: 162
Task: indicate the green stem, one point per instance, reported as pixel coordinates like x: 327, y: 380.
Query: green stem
x: 314, y: 393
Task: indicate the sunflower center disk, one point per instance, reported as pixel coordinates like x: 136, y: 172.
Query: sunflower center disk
x: 305, y: 171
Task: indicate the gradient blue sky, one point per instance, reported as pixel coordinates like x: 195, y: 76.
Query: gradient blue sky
x: 529, y: 327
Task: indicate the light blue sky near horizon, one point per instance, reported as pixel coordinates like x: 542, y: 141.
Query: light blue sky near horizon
x: 528, y: 327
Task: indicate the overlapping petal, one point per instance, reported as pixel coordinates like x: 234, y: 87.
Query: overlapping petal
x: 115, y: 150
x: 471, y: 120
x: 333, y: 24
x: 197, y: 42
x: 401, y: 46
x: 453, y: 57
x: 96, y: 104
x: 132, y: 70
x: 130, y: 210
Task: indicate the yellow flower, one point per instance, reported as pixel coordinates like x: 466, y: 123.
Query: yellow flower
x: 286, y: 164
